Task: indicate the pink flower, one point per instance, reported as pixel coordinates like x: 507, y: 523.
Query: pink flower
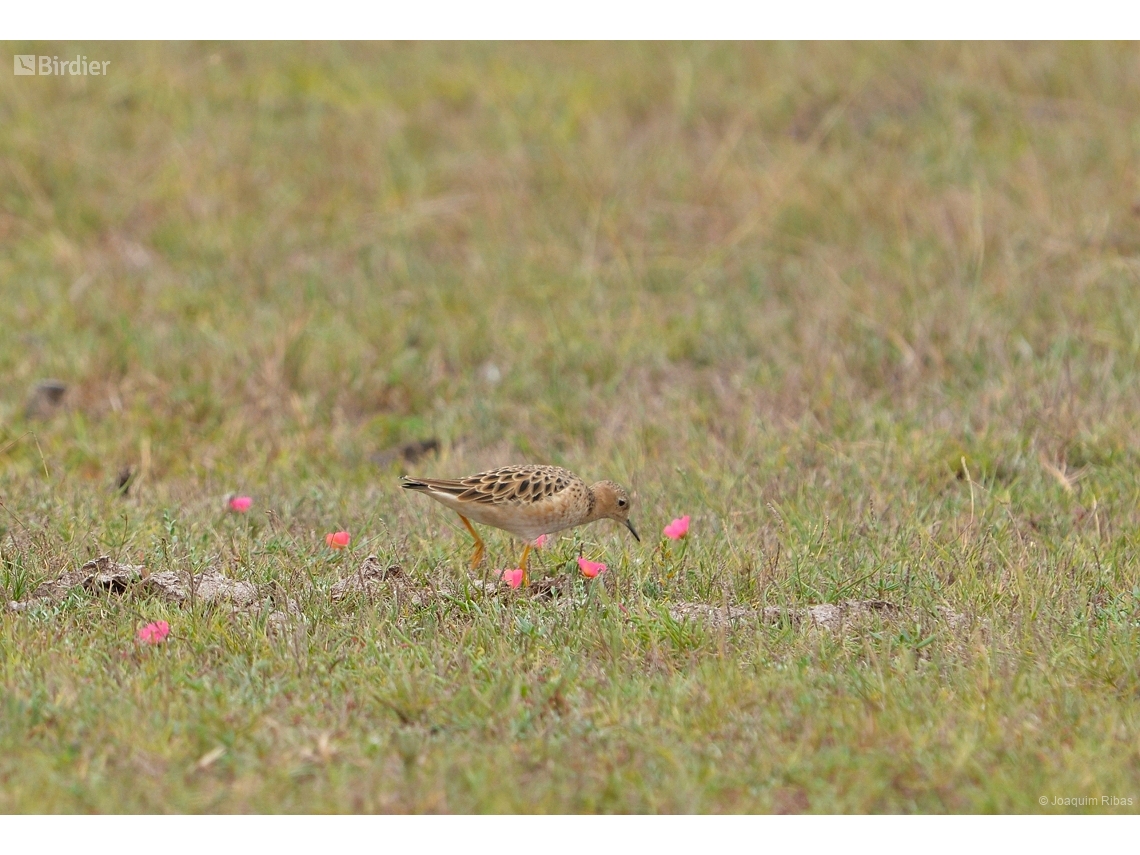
x: 240, y: 504
x: 590, y: 569
x: 512, y: 577
x: 337, y: 539
x: 155, y: 632
x: 540, y: 541
x: 678, y: 528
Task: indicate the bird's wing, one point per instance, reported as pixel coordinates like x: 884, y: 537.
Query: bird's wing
x: 511, y: 484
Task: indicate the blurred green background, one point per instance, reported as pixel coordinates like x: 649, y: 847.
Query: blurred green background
x: 869, y: 312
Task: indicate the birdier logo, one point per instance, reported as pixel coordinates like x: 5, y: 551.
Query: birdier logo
x: 29, y: 63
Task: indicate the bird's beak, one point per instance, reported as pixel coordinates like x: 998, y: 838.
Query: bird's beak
x: 632, y: 531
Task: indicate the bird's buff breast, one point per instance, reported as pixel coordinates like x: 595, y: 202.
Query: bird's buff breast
x: 524, y: 523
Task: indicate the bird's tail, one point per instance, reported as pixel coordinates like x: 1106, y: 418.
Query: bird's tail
x: 412, y: 484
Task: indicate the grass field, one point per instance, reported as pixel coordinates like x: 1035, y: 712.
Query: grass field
x: 868, y: 313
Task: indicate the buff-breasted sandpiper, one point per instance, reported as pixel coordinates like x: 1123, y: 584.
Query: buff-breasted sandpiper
x: 527, y: 501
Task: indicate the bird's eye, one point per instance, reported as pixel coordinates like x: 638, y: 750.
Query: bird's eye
x: 622, y: 503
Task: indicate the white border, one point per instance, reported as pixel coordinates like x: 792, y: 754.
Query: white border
x: 569, y: 835
x: 570, y: 19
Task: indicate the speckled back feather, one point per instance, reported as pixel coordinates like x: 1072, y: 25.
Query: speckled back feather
x: 508, y: 485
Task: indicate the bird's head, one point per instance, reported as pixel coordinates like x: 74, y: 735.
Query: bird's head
x: 612, y: 502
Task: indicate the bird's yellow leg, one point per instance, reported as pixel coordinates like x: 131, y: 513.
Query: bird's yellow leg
x: 522, y: 563
x: 478, y: 556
